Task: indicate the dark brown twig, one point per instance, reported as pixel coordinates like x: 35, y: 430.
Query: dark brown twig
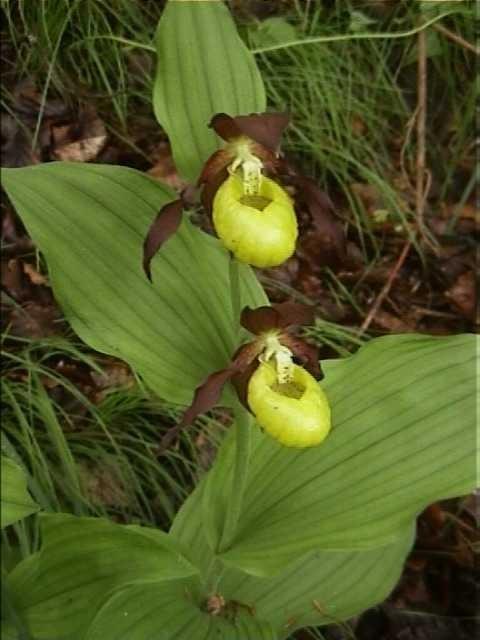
x: 423, y: 177
x: 454, y: 37
x: 386, y: 288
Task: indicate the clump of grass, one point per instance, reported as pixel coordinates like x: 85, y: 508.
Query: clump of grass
x: 81, y: 53
x: 90, y: 458
x: 345, y: 105
x: 340, y: 339
x: 352, y: 104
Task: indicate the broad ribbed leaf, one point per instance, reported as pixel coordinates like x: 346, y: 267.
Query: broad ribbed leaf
x: 203, y: 69
x: 173, y: 611
x: 323, y: 587
x: 58, y: 591
x: 15, y: 500
x: 90, y: 222
x: 403, y: 415
x: 403, y: 436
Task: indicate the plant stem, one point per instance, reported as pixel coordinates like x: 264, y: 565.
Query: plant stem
x: 351, y: 36
x: 213, y: 575
x: 235, y: 293
x: 242, y: 428
x: 239, y: 477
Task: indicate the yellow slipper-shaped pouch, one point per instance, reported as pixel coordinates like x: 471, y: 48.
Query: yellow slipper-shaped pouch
x: 260, y: 229
x: 295, y: 413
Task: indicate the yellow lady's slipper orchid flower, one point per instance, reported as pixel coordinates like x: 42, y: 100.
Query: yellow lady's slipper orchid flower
x: 259, y: 229
x: 296, y: 413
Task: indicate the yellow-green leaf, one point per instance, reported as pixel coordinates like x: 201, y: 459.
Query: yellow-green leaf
x: 203, y: 68
x: 16, y: 502
x: 90, y: 222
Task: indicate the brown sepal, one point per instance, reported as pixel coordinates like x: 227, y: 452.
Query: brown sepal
x: 259, y: 320
x: 165, y: 224
x: 225, y: 126
x: 294, y: 314
x: 278, y: 316
x: 264, y: 128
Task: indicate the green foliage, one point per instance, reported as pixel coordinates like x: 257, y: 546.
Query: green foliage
x: 288, y: 537
x: 16, y: 502
x: 90, y: 221
x: 323, y: 588
x: 80, y: 47
x: 89, y: 458
x: 203, y: 69
x: 344, y: 103
x: 82, y: 561
x: 144, y: 607
x: 378, y: 447
x: 403, y: 414
x: 352, y: 100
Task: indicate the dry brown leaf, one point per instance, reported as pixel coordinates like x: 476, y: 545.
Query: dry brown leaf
x: 34, y: 321
x: 103, y: 485
x: 462, y: 294
x: 391, y: 323
x: 34, y: 275
x: 164, y: 169
x: 80, y: 141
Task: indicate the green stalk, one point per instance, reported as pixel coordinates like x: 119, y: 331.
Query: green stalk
x: 235, y: 294
x: 242, y: 428
x: 352, y: 36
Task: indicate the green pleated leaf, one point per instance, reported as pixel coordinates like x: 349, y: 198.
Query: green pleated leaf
x: 323, y: 587
x: 15, y: 500
x: 174, y: 611
x: 403, y: 414
x: 403, y: 436
x: 58, y: 590
x: 8, y: 632
x: 90, y: 222
x: 203, y: 68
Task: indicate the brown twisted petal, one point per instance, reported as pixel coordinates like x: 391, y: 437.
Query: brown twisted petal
x: 240, y: 381
x: 208, y: 393
x: 205, y: 398
x: 165, y: 224
x: 218, y: 161
x: 211, y: 186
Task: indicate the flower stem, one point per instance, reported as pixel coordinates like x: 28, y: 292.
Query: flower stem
x: 242, y: 428
x: 234, y: 273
